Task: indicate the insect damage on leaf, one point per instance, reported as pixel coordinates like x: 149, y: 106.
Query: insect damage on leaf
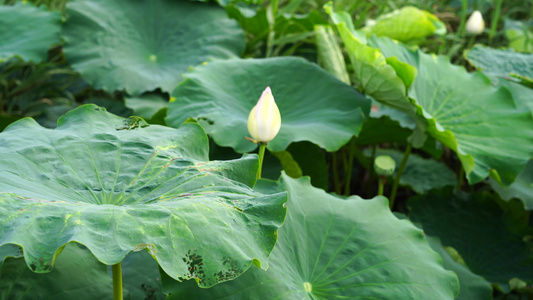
x: 132, y: 123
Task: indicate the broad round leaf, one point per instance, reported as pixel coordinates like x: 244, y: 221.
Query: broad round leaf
x: 331, y: 248
x: 310, y: 100
x: 140, y: 46
x: 502, y: 63
x: 491, y: 242
x: 117, y: 185
x: 27, y: 32
x: 466, y: 113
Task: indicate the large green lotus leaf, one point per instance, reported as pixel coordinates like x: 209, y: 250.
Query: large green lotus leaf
x: 521, y: 189
x: 491, y: 242
x: 421, y: 174
x: 28, y: 32
x: 468, y: 115
x: 407, y: 24
x: 117, y: 185
x: 140, y: 46
x: 331, y: 248
x: 76, y: 275
x: 472, y: 286
x: 502, y: 62
x: 310, y: 100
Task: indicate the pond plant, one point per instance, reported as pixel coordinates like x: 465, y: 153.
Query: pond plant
x: 239, y: 149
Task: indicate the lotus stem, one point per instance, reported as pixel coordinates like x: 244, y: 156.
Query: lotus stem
x: 494, y: 20
x: 399, y: 174
x: 261, y: 154
x: 381, y: 184
x: 463, y: 18
x: 460, y: 177
x: 351, y: 149
x: 117, y: 282
x: 335, y: 167
x: 272, y: 11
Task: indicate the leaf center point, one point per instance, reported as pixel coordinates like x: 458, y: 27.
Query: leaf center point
x: 308, y: 286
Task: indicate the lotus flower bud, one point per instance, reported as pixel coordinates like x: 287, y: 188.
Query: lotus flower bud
x: 264, y: 120
x: 384, y: 165
x: 475, y: 24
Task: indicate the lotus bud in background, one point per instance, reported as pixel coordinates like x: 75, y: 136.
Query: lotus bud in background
x: 384, y: 165
x: 264, y: 120
x: 475, y: 24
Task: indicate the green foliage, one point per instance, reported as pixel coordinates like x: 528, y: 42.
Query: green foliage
x: 332, y: 248
x: 142, y: 46
x: 421, y: 174
x: 502, y: 63
x: 301, y: 90
x: 451, y: 99
x: 81, y: 274
x: 492, y: 242
x: 108, y: 182
x: 27, y: 32
x: 472, y: 286
x: 519, y: 35
x: 408, y: 24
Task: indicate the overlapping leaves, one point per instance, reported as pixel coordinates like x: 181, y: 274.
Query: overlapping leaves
x: 492, y: 242
x: 467, y: 114
x: 331, y: 248
x: 118, y: 185
x: 303, y: 93
x: 462, y: 110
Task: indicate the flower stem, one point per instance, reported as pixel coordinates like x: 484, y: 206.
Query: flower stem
x: 399, y: 174
x: 261, y: 154
x: 463, y: 18
x: 117, y: 281
x: 460, y: 177
x: 351, y: 149
x: 381, y: 184
x: 272, y: 11
x: 336, y: 177
x: 494, y: 20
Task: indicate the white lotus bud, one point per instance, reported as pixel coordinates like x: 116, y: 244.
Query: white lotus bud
x: 475, y: 24
x: 264, y: 120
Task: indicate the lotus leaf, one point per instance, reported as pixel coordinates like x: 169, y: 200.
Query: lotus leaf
x: 331, y: 248
x: 118, y: 185
x: 28, y: 32
x: 310, y: 100
x: 140, y: 46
